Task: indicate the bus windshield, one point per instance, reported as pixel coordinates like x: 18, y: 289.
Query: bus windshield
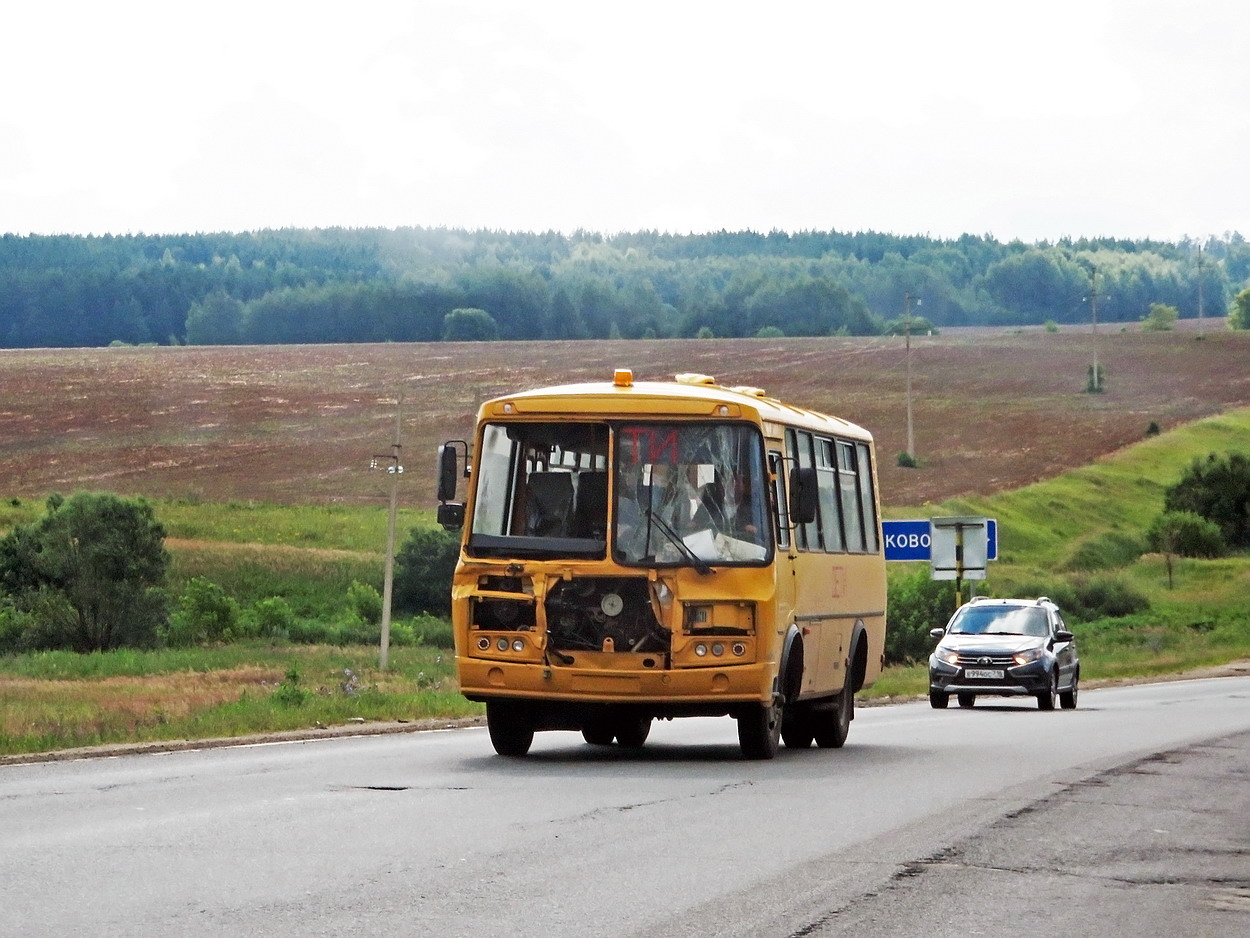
x: 542, y: 491
x: 689, y: 494
x: 685, y: 494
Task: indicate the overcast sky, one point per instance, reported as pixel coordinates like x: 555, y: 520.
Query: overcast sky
x: 1127, y: 118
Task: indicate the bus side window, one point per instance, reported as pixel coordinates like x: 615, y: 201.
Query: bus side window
x: 852, y: 507
x: 827, y: 481
x: 867, y: 497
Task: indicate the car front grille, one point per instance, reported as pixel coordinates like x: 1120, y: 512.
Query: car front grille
x: 985, y: 661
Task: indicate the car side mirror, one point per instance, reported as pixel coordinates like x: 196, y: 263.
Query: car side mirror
x: 936, y: 633
x: 1063, y: 635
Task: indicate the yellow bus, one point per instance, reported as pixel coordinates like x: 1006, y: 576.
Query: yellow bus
x: 635, y: 551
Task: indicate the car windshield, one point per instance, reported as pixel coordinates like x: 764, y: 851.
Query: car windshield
x: 1000, y: 620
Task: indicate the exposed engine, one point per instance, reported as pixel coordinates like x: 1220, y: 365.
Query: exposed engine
x: 604, y: 614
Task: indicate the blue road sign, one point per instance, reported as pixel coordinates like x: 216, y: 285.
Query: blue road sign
x: 909, y: 540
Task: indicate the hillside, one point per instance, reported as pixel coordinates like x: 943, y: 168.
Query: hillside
x: 993, y: 410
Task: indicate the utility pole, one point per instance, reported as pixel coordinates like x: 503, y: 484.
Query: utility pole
x: 1095, y: 383
x: 907, y: 301
x: 395, y: 469
x: 1200, y: 324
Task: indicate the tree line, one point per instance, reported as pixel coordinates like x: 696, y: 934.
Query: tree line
x: 426, y: 285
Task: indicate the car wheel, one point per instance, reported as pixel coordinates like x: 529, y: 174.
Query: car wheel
x: 1046, y: 699
x: 833, y: 726
x: 938, y: 700
x: 1067, y: 699
x: 510, y: 727
x: 967, y: 701
x: 759, y: 731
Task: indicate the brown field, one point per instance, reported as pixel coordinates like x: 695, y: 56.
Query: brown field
x: 992, y: 410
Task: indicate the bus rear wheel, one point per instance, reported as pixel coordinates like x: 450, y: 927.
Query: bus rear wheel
x: 759, y: 731
x: 797, y: 729
x: 510, y: 726
x: 835, y: 725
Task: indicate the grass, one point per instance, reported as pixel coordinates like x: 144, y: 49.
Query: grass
x: 58, y: 700
x: 327, y: 527
x: 1089, y: 523
x: 1083, y: 523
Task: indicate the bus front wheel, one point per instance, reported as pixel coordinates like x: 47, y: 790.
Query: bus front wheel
x: 759, y: 731
x: 510, y: 726
x: 632, y: 732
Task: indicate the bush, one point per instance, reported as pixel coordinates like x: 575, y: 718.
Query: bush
x: 273, y: 617
x: 1105, y: 552
x: 365, y: 602
x: 1218, y: 489
x: 1086, y: 599
x: 205, y: 615
x: 91, y: 572
x: 423, y: 570
x: 1186, y: 534
x: 916, y: 604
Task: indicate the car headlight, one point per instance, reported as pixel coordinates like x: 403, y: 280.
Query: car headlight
x: 948, y: 656
x: 1028, y: 656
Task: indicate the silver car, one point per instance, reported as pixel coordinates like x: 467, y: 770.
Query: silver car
x: 1005, y: 648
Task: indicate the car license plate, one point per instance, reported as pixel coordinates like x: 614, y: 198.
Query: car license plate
x: 984, y: 674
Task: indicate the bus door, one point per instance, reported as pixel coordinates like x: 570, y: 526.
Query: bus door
x: 784, y: 567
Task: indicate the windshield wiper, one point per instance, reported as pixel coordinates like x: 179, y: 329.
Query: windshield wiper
x: 675, y: 539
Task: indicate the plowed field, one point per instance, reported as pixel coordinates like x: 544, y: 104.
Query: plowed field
x: 991, y: 410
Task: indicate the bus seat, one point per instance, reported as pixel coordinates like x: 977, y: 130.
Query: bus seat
x: 591, y: 517
x: 550, y: 504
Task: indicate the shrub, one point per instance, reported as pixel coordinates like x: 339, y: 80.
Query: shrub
x: 1218, y: 489
x: 916, y: 604
x: 1088, y: 598
x: 91, y: 570
x: 273, y: 617
x: 1095, y: 379
x: 1186, y: 534
x: 423, y: 570
x: 1106, y: 551
x: 907, y: 461
x: 365, y: 602
x: 289, y: 693
x: 205, y: 615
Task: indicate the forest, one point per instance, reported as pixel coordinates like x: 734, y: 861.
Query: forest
x: 434, y: 284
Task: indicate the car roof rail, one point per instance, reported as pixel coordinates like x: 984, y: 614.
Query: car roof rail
x: 1044, y: 599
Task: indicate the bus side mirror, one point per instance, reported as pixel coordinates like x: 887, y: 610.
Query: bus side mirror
x: 802, y: 495
x: 448, y: 470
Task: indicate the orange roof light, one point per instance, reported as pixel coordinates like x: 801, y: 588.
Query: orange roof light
x: 623, y: 377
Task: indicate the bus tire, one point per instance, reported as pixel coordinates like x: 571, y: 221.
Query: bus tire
x: 796, y: 727
x: 835, y: 725
x: 632, y: 732
x: 759, y: 731
x: 599, y: 732
x: 510, y: 726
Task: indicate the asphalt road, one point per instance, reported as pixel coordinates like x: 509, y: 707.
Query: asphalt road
x: 1127, y: 816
